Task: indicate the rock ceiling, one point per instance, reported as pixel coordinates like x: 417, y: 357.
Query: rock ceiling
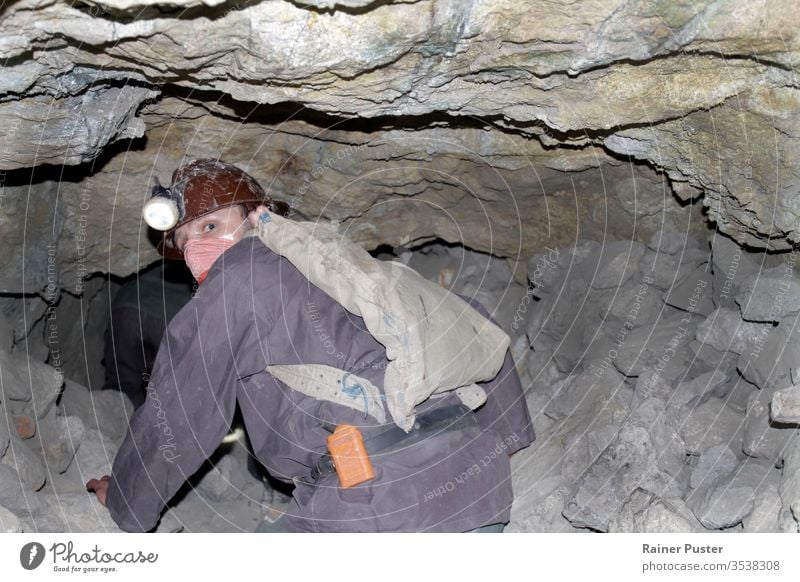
x: 503, y: 125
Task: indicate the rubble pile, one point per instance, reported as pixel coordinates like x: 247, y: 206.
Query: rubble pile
x: 663, y: 380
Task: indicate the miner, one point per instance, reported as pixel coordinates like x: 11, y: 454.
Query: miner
x: 253, y: 308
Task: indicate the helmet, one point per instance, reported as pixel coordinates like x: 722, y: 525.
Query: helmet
x: 207, y: 185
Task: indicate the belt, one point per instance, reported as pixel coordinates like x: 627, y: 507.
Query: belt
x: 437, y: 421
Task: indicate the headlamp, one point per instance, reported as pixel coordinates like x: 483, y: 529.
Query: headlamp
x: 164, y: 209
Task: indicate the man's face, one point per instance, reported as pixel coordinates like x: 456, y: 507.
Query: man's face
x: 215, y: 224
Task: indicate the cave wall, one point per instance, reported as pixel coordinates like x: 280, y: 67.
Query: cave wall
x: 388, y: 109
x: 595, y: 144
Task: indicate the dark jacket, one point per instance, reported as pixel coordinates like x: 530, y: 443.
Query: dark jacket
x: 255, y: 308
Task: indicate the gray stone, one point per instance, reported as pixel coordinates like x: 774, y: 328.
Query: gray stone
x: 443, y: 63
x: 770, y: 359
x: 787, y: 522
x: 763, y: 437
x: 737, y: 393
x: 693, y: 294
x: 712, y: 464
x: 106, y: 410
x: 648, y: 513
x: 785, y: 405
x: 765, y: 517
x: 636, y: 303
x: 548, y: 271
x: 727, y: 501
x: 640, y: 456
x: 664, y: 347
x: 9, y: 522
x: 668, y: 240
x: 651, y: 384
x: 538, y: 379
x: 478, y: 275
x: 31, y: 387
x: 520, y: 350
x: 698, y: 389
x: 725, y: 330
x: 790, y: 483
x: 72, y: 132
x: 6, y: 334
x: 538, y: 509
x: 572, y: 348
x: 94, y: 457
x: 557, y: 312
x: 732, y: 267
x: 753, y: 189
x: 72, y: 512
x: 582, y: 394
x: 712, y: 358
x: 14, y: 493
x: 26, y: 463
x: 709, y: 424
x: 60, y: 438
x: 618, y: 261
x: 5, y: 437
x: 667, y: 271
x: 771, y: 296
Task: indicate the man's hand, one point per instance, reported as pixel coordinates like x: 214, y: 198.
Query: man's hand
x: 252, y: 218
x: 100, y: 487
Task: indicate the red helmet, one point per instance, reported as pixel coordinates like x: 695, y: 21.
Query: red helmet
x: 208, y: 185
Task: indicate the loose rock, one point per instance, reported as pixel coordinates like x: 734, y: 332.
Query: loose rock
x: 6, y: 334
x: 26, y: 463
x: 769, y: 360
x: 697, y: 390
x: 725, y: 330
x: 710, y: 423
x: 763, y: 437
x: 638, y: 457
x: 108, y: 411
x: 5, y: 437
x: 732, y: 267
x: 728, y: 501
x: 71, y: 512
x: 618, y: 261
x: 31, y: 387
x: 538, y: 509
x: 693, y: 294
x: 668, y: 271
x: 790, y: 484
x: 648, y: 513
x: 765, y: 517
x: 663, y: 347
x: 61, y: 436
x: 668, y: 240
x: 785, y: 405
x: 9, y: 522
x: 713, y: 464
x: 771, y: 296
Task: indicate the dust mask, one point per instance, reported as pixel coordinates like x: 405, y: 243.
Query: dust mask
x: 201, y: 253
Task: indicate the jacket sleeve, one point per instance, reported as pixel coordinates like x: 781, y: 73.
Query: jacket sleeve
x: 505, y: 409
x: 189, y: 406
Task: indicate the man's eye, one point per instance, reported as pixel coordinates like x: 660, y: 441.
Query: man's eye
x: 208, y: 227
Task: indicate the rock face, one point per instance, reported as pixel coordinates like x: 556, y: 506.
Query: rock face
x: 463, y: 88
x: 565, y: 175
x: 643, y: 433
